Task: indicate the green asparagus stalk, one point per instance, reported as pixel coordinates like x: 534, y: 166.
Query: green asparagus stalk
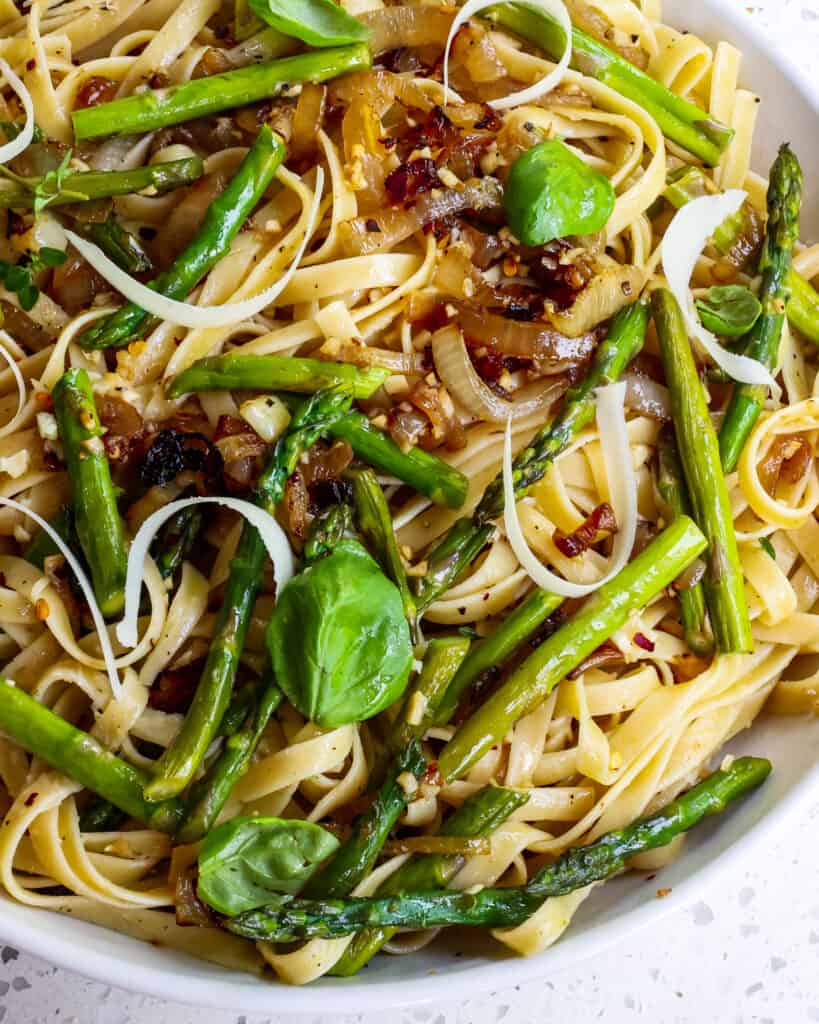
x: 274, y: 373
x: 803, y: 305
x: 421, y: 705
x: 480, y: 815
x: 468, y: 536
x: 176, y: 540
x: 176, y: 767
x: 158, y: 108
x: 606, y: 611
x: 356, y: 856
x: 82, y: 758
x: 120, y: 246
x: 762, y: 342
x: 208, y: 796
x: 493, y: 651
x: 423, y: 471
x: 290, y: 919
x: 222, y: 222
x: 375, y: 524
x: 326, y: 530
x: 43, y: 547
x: 699, y: 451
x: 101, y: 816
x: 82, y: 186
x: 671, y: 485
x: 681, y: 121
x: 96, y: 516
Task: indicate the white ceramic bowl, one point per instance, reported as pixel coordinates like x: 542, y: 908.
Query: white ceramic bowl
x: 789, y: 112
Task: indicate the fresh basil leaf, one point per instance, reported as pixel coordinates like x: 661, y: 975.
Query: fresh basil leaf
x: 316, y: 22
x: 246, y: 862
x: 729, y: 310
x: 27, y: 296
x: 551, y: 193
x: 48, y: 257
x: 339, y: 640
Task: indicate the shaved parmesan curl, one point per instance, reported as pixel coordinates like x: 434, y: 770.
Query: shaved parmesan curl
x: 15, y: 147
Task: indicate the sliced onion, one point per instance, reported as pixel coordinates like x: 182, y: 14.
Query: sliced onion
x: 622, y: 480
x: 87, y: 590
x: 465, y: 385
x: 15, y: 147
x: 647, y: 397
x: 555, y: 9
x: 686, y: 237
x: 274, y: 538
x: 184, y: 313
x: 21, y: 390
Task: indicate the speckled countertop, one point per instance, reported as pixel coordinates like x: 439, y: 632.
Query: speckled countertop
x: 747, y: 953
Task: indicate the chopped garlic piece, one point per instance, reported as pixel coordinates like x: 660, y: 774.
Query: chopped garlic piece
x: 15, y: 465
x: 267, y: 415
x: 47, y: 426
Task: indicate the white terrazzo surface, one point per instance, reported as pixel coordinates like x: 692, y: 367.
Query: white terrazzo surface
x: 747, y: 953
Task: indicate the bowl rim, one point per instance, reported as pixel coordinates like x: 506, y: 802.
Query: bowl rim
x: 232, y: 992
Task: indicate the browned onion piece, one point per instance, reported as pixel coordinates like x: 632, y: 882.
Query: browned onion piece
x: 387, y: 228
x: 592, y: 21
x: 647, y: 397
x: 396, y: 27
x: 692, y: 575
x: 31, y: 335
x: 601, y: 520
x: 553, y: 351
x: 240, y: 446
x: 307, y: 120
x: 612, y: 288
x: 455, y: 369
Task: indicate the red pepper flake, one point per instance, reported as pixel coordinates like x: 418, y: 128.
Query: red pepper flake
x: 644, y: 642
x: 31, y: 798
x: 31, y: 64
x: 411, y: 179
x: 432, y: 775
x: 96, y: 90
x: 601, y: 520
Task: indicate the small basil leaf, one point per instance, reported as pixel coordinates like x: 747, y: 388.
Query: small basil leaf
x: 729, y: 310
x: 246, y: 862
x: 339, y: 640
x: 316, y: 22
x: 551, y: 193
x: 28, y: 295
x: 49, y: 257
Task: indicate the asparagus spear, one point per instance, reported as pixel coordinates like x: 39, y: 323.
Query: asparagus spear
x: 479, y: 815
x: 762, y: 342
x: 423, y: 471
x: 421, y: 705
x: 354, y: 859
x: 96, y: 516
x: 42, y: 546
x: 176, y: 767
x: 222, y: 222
x: 680, y: 121
x: 375, y: 525
x: 119, y: 245
x: 671, y: 485
x: 326, y: 531
x: 176, y: 540
x: 158, y: 108
x: 468, y: 536
x: 208, y: 796
x: 803, y: 305
x: 606, y: 611
x: 274, y: 373
x: 82, y: 758
x: 82, y: 186
x: 496, y: 649
x: 290, y: 919
x: 699, y: 451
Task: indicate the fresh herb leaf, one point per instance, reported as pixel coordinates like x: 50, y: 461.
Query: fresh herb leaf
x: 316, y: 22
x: 729, y: 310
x: 11, y: 130
x: 48, y: 187
x: 246, y: 862
x: 18, y: 277
x: 767, y: 547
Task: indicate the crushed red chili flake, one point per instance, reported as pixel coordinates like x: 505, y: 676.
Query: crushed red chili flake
x: 31, y: 798
x: 642, y: 641
x: 411, y: 179
x: 601, y: 520
x: 432, y: 775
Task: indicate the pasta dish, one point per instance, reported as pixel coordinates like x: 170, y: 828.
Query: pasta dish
x: 408, y: 473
